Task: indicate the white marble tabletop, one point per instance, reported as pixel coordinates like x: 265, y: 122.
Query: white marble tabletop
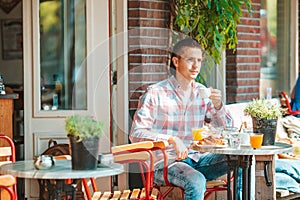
x: 277, y: 148
x: 61, y: 170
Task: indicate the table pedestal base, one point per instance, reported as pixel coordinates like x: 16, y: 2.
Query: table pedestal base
x: 235, y: 163
x: 264, y: 175
x: 57, y: 189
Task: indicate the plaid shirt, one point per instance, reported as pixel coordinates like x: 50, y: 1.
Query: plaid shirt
x: 161, y: 114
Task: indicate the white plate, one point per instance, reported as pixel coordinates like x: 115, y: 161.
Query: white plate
x: 211, y: 145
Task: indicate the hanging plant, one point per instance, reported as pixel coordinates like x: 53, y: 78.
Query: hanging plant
x: 211, y: 22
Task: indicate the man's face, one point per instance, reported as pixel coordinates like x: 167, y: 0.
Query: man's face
x: 189, y: 62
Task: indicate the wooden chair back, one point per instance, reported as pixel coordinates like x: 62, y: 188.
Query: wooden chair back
x: 7, y: 155
x: 7, y: 150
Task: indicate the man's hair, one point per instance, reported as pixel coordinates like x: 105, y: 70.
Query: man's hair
x: 179, y: 46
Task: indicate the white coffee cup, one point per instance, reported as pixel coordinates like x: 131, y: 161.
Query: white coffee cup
x: 204, y: 92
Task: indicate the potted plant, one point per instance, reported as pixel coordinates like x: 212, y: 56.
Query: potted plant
x: 84, y: 133
x: 264, y: 114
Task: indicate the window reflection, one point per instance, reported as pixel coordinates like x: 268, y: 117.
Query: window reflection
x: 62, y: 54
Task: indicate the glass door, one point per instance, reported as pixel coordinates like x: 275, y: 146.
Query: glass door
x: 62, y: 55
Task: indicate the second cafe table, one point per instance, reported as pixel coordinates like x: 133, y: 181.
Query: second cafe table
x: 242, y: 158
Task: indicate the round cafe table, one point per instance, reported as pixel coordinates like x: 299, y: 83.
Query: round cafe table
x: 242, y: 158
x: 60, y: 172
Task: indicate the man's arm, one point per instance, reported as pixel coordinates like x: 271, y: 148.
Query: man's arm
x: 220, y: 115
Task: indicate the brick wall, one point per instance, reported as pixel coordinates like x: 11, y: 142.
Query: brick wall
x: 148, y: 45
x: 243, y: 65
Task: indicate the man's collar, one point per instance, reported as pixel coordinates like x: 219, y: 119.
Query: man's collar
x: 174, y: 81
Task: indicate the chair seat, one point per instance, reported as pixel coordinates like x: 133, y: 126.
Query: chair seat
x: 124, y: 195
x: 286, y: 195
x: 7, y: 180
x: 215, y: 183
x: 132, y: 156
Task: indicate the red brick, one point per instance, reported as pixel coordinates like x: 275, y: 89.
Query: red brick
x: 134, y: 59
x: 133, y: 4
x: 235, y: 82
x: 152, y: 68
x: 243, y: 67
x: 247, y: 44
x: 239, y: 90
x: 247, y: 29
x: 133, y: 23
x: 248, y: 37
x: 255, y: 14
x: 133, y: 104
x: 138, y: 86
x: 249, y: 21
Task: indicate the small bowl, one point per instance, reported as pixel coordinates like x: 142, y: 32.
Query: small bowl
x: 44, y: 162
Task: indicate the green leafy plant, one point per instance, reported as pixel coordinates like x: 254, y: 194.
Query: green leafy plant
x: 81, y: 127
x: 263, y: 109
x: 213, y: 23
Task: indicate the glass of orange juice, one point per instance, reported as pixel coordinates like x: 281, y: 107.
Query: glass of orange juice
x: 197, y: 133
x: 256, y: 140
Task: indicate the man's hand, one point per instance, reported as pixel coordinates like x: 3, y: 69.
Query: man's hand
x: 216, y: 98
x: 180, y: 148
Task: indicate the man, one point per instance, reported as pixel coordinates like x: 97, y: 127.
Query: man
x: 169, y: 110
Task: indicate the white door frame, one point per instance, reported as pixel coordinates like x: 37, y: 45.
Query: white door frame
x: 39, y: 124
x: 119, y: 55
x: 294, y: 35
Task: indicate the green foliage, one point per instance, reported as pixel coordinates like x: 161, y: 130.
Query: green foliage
x: 49, y: 15
x: 200, y: 79
x: 263, y: 109
x: 211, y: 22
x: 83, y: 127
x: 206, y: 68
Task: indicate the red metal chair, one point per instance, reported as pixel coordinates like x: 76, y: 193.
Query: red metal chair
x: 211, y: 186
x: 286, y: 103
x: 142, y: 153
x: 8, y: 155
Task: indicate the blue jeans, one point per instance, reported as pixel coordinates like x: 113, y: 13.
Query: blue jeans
x: 191, y: 176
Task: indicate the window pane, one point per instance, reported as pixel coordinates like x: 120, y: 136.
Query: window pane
x: 275, y: 45
x: 62, y: 54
